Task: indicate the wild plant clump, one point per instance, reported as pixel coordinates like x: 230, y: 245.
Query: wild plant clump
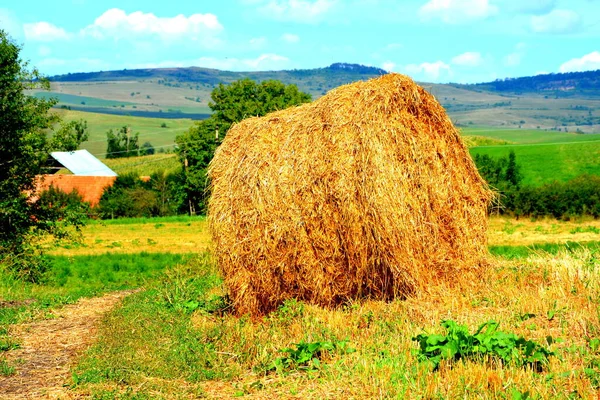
x: 367, y: 192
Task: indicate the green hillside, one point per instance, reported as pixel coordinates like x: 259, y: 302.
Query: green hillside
x: 150, y: 129
x: 545, y: 156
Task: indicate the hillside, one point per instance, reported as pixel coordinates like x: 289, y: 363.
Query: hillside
x: 559, y: 102
x: 585, y: 83
x: 314, y: 81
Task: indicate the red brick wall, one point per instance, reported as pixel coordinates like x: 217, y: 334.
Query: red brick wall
x: 89, y: 187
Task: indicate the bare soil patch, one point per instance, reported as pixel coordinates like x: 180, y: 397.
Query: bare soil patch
x: 49, y: 348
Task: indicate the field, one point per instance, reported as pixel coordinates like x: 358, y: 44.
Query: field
x: 150, y: 129
x: 466, y: 107
x: 544, y: 155
x: 176, y: 339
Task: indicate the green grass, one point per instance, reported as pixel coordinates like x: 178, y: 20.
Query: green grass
x: 149, y: 129
x: 145, y: 165
x: 71, y: 99
x: 145, y: 220
x: 70, y: 278
x: 520, y: 252
x: 545, y: 163
x: 529, y: 136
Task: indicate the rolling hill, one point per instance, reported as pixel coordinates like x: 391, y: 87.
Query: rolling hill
x: 566, y: 102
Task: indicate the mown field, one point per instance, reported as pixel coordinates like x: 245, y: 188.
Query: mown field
x: 176, y: 338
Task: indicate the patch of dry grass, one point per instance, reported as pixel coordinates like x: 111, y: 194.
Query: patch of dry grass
x: 223, y: 356
x: 192, y: 235
x: 160, y: 236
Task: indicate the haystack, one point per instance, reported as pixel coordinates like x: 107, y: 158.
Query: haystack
x: 368, y: 192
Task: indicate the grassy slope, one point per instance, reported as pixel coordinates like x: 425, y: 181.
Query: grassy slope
x: 465, y: 104
x: 544, y: 156
x: 149, y: 129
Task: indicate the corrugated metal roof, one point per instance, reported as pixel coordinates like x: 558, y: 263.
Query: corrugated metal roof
x: 81, y: 162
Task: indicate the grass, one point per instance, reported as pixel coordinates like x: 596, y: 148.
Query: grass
x: 545, y: 163
x: 144, y: 165
x: 149, y: 129
x: 184, y: 234
x: 179, y: 234
x: 156, y: 346
x: 177, y: 338
x: 71, y: 278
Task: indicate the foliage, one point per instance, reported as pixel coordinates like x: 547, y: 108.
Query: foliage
x: 501, y: 173
x: 132, y: 197
x: 230, y: 104
x: 307, y: 356
x: 70, y: 135
x: 562, y: 200
x: 122, y: 143
x: 486, y: 343
x: 24, y: 121
x: 147, y: 149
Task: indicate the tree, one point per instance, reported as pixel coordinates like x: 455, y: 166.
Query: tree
x: 122, y: 143
x: 24, y: 121
x: 70, y: 135
x: 230, y: 104
x: 147, y: 149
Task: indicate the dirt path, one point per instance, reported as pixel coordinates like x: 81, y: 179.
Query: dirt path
x: 49, y: 349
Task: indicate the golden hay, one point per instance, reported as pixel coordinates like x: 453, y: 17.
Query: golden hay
x: 368, y: 192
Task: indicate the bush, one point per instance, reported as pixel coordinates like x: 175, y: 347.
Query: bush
x: 161, y: 195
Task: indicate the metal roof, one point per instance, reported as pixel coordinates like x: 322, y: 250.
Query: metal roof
x: 81, y: 162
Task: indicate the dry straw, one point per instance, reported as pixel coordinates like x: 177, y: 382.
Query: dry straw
x: 368, y: 192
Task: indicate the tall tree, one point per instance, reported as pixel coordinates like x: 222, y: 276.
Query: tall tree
x: 122, y: 143
x: 230, y: 104
x: 24, y: 121
x: 70, y: 135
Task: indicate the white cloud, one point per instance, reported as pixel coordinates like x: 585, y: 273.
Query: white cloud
x: 265, y: 61
x: 259, y: 42
x: 468, y: 59
x: 457, y: 11
x: 589, y: 62
x: 44, y: 32
x: 117, y: 24
x: 431, y: 71
x: 388, y: 66
x: 304, y: 11
x: 557, y: 21
x: 290, y: 38
x: 514, y: 59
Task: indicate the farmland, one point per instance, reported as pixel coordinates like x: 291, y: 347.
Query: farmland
x: 150, y: 129
x: 175, y: 337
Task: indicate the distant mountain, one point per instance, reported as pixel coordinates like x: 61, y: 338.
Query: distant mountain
x: 560, y: 84
x: 315, y: 81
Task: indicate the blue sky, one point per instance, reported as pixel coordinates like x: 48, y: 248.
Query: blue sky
x: 430, y: 40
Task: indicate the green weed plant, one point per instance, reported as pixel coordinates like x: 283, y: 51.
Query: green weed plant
x: 486, y: 343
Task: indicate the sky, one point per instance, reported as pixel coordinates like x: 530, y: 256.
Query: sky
x: 464, y: 41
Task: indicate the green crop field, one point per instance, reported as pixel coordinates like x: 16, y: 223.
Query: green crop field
x: 71, y: 99
x: 149, y: 128
x: 544, y: 156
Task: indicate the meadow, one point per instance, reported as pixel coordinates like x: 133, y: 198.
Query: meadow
x: 150, y: 129
x: 176, y: 338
